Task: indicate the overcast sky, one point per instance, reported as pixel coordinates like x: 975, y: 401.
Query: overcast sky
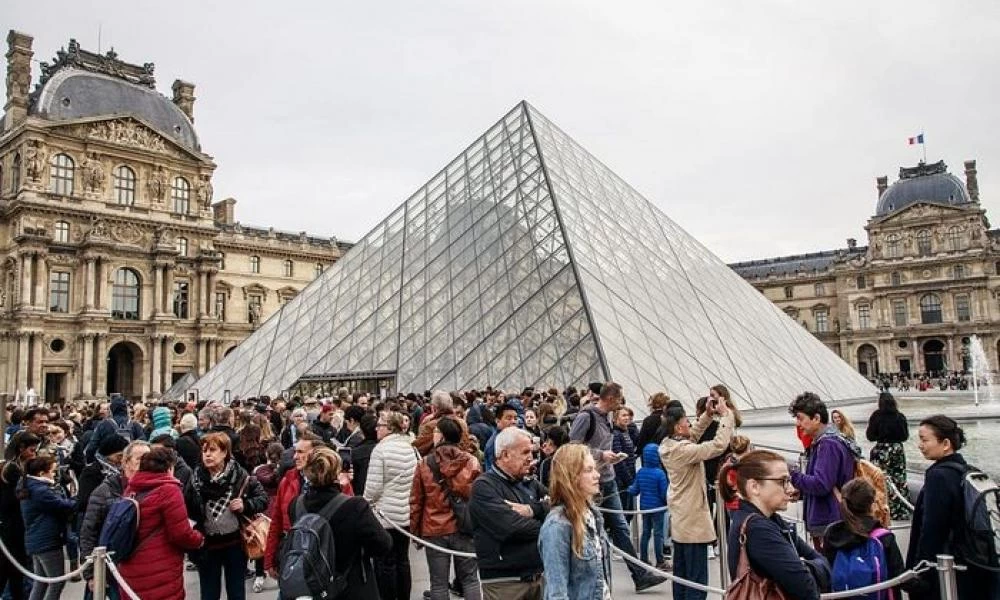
x: 758, y: 126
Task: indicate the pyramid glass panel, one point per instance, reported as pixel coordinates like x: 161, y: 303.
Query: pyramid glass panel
x: 526, y: 261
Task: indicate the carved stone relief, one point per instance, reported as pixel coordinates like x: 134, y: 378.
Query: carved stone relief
x: 93, y: 174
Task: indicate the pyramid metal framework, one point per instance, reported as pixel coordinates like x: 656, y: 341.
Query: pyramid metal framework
x: 524, y: 262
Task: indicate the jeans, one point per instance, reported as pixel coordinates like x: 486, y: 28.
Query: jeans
x: 628, y: 502
x: 393, y: 569
x: 691, y: 563
x: 513, y: 590
x: 667, y: 542
x: 48, y: 564
x: 230, y: 559
x: 439, y: 565
x: 652, y: 524
x: 615, y: 522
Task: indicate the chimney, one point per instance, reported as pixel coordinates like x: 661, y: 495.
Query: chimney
x: 882, y: 184
x: 225, y: 211
x: 971, y: 182
x: 184, y: 97
x: 18, y: 78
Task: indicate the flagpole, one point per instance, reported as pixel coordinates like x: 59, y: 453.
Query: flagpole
x: 924, y: 144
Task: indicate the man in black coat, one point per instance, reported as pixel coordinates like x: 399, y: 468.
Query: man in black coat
x: 507, y: 513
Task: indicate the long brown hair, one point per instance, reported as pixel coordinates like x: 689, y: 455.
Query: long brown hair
x: 753, y: 465
x: 567, y: 464
x: 723, y: 392
x: 856, y: 500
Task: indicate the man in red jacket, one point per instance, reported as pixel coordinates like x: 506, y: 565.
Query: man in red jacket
x: 288, y: 491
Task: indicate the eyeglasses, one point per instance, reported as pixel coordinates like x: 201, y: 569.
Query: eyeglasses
x: 784, y: 481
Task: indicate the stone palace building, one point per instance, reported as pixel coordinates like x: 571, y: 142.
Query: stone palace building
x: 118, y: 271
x: 914, y: 297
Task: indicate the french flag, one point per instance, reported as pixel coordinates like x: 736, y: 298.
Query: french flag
x: 919, y: 139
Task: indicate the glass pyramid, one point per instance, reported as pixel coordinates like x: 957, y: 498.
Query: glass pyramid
x: 526, y: 261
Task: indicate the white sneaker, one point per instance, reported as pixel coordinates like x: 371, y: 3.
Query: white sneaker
x: 258, y: 584
x: 711, y: 553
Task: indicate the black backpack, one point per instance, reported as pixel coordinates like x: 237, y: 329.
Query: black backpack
x: 458, y: 505
x: 978, y: 541
x: 309, y: 555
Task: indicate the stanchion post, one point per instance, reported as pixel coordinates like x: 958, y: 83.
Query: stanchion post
x: 634, y: 528
x: 100, y: 572
x: 946, y: 577
x: 720, y: 527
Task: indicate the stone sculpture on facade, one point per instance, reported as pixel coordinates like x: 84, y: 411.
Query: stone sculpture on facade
x: 93, y: 173
x: 34, y: 160
x: 205, y: 192
x: 157, y: 185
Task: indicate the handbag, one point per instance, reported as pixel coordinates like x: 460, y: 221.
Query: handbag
x: 749, y: 585
x: 253, y: 531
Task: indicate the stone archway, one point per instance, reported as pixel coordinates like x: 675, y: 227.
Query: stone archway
x: 125, y: 370
x: 934, y: 356
x: 868, y: 360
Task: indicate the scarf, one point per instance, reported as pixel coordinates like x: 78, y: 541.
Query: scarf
x: 217, y: 490
x: 108, y: 470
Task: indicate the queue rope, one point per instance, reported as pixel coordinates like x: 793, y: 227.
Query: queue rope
x: 31, y: 575
x: 916, y: 571
x: 670, y: 576
x: 424, y: 542
x: 622, y: 511
x: 121, y: 580
x: 899, y: 495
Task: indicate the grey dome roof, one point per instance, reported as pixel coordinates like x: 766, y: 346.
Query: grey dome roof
x: 76, y: 93
x: 923, y: 183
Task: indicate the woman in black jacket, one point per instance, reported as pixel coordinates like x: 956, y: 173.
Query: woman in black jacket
x: 22, y: 449
x: 773, y: 549
x: 888, y: 429
x: 939, y: 513
x: 356, y: 532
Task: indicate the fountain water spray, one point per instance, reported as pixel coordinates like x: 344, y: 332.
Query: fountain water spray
x: 980, y: 367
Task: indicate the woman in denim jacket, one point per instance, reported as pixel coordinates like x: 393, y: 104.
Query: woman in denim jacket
x: 573, y: 548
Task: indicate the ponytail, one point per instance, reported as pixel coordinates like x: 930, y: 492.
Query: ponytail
x: 753, y: 465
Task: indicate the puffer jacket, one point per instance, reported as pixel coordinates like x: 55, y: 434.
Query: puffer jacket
x: 96, y: 512
x: 46, y: 511
x: 425, y: 439
x: 651, y: 482
x: 430, y: 512
x: 155, y: 571
x: 690, y: 520
x: 390, y: 477
x: 288, y: 490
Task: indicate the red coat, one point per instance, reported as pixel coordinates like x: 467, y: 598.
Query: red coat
x: 155, y: 571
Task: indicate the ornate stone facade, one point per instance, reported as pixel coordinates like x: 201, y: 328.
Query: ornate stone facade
x: 117, y: 271
x: 913, y: 298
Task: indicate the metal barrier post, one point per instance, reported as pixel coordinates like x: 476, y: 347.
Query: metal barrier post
x: 634, y: 529
x: 100, y: 572
x: 946, y: 577
x: 720, y: 526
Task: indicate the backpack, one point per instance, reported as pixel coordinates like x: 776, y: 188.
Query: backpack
x: 863, y: 565
x: 458, y: 505
x: 125, y: 430
x: 309, y: 554
x: 978, y: 541
x: 120, y: 531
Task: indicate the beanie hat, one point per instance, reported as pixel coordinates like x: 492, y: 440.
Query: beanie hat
x: 161, y: 423
x: 112, y: 445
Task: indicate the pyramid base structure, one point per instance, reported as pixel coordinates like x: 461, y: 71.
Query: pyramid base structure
x: 527, y: 262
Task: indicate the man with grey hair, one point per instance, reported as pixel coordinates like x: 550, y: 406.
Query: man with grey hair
x: 222, y: 422
x: 507, y: 511
x: 442, y: 405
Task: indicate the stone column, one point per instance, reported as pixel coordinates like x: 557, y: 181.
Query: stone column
x: 22, y: 362
x: 101, y: 290
x: 157, y: 290
x: 951, y: 358
x: 202, y: 286
x: 101, y: 365
x: 210, y: 293
x: 26, y: 279
x: 36, y: 362
x: 89, y: 283
x: 168, y: 362
x: 918, y: 357
x: 144, y: 368
x: 87, y: 372
x: 168, y: 287
x: 41, y: 279
x: 199, y: 357
x: 155, y: 344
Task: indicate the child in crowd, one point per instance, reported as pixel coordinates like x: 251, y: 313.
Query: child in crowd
x: 650, y: 485
x: 554, y: 438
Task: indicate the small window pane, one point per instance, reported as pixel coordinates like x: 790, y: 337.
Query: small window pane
x: 822, y: 321
x: 819, y: 289
x: 896, y: 279
x: 899, y: 312
x: 125, y: 295
x: 182, y: 246
x: 62, y: 232
x: 220, y: 305
x: 789, y: 292
x: 963, y: 311
x: 930, y: 309
x: 864, y: 316
x: 124, y: 182
x: 181, y: 195
x: 861, y: 282
x: 255, y: 264
x: 924, y: 243
x: 59, y: 292
x: 181, y: 297
x: 61, y: 175
x: 956, y: 240
x: 289, y: 268
x: 892, y: 246
x: 319, y: 269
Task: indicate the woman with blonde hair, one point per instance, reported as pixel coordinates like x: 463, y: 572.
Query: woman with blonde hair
x: 266, y: 431
x: 842, y: 423
x: 573, y: 548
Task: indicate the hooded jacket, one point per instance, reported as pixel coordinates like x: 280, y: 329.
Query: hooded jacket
x: 155, y: 571
x: 45, y: 511
x: 431, y: 514
x: 840, y: 538
x: 162, y: 423
x: 650, y: 482
x: 831, y: 460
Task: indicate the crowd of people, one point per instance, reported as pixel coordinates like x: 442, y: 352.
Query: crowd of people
x: 521, y: 495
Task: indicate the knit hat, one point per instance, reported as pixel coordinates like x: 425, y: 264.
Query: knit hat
x: 112, y: 445
x: 161, y: 422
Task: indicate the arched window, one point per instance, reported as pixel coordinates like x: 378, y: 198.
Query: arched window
x: 255, y: 264
x: 124, y: 185
x: 892, y: 246
x: 930, y: 309
x: 319, y: 269
x: 125, y: 295
x: 288, y: 268
x: 62, y: 232
x: 924, y: 243
x: 15, y: 174
x: 182, y: 246
x: 955, y: 239
x: 61, y: 175
x: 180, y: 192
x: 895, y: 279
